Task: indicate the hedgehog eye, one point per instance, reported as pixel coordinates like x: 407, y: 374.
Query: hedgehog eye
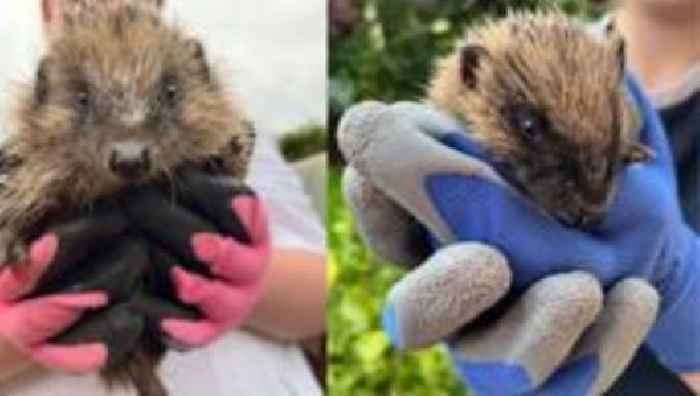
x: 82, y: 97
x: 171, y: 91
x: 599, y: 169
x: 530, y: 124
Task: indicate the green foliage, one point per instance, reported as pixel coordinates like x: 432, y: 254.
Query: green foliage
x: 303, y: 142
x: 361, y: 360
x: 389, y: 54
x: 388, y: 57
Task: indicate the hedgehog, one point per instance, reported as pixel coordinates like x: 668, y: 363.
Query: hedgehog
x: 546, y: 99
x: 120, y: 99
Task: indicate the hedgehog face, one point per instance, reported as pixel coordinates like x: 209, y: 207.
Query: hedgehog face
x: 127, y: 100
x: 574, y: 181
x: 547, y: 100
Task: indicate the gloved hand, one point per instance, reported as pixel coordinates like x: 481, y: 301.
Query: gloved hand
x: 460, y: 198
x: 113, y: 259
x: 29, y: 319
x: 120, y: 269
x: 216, y: 229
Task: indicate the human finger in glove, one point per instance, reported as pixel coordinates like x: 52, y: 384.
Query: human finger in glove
x: 30, y: 319
x: 215, y: 231
x: 460, y: 198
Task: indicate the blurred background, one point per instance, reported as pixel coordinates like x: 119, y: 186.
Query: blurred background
x: 273, y: 51
x: 384, y: 50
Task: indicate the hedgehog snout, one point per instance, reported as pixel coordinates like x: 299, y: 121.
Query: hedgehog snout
x: 130, y: 160
x: 580, y: 220
x: 580, y: 216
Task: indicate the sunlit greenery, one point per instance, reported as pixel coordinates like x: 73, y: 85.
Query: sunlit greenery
x: 303, y: 141
x: 361, y: 360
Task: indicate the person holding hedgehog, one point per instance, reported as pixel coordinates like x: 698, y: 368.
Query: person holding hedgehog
x: 254, y: 285
x: 458, y: 196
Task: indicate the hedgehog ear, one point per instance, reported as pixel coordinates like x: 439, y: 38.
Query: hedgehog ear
x: 637, y: 152
x: 197, y: 51
x: 470, y: 58
x: 621, y: 52
x: 41, y: 85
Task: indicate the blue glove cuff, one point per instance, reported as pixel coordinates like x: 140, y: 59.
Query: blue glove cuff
x: 674, y: 337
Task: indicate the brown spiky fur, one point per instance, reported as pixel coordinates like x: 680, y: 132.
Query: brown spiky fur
x: 121, y: 54
x: 550, y: 64
x: 57, y: 158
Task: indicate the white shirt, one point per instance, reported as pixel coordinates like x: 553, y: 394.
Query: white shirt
x: 241, y: 363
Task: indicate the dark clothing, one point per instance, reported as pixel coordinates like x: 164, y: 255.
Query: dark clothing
x: 646, y: 376
x: 682, y: 122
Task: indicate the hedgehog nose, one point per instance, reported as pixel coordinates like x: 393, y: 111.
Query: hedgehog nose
x: 591, y: 220
x: 583, y: 221
x: 130, y: 166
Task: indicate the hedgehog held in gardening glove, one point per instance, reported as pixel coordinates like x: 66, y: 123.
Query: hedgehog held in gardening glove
x: 583, y: 300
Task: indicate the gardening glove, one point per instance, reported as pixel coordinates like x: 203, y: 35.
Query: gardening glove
x: 216, y: 228
x: 643, y: 237
x: 30, y: 320
x: 455, y: 285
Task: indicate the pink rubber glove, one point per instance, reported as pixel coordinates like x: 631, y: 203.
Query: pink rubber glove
x: 27, y: 323
x: 227, y: 300
x: 217, y: 233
